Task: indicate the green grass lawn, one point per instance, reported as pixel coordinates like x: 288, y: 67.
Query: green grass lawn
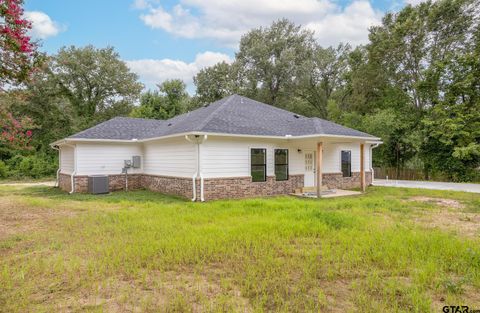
x: 390, y: 250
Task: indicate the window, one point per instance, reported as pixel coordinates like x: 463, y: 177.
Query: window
x: 281, y: 164
x: 258, y: 160
x: 347, y: 163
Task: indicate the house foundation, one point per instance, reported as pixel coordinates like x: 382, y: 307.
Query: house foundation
x: 214, y: 188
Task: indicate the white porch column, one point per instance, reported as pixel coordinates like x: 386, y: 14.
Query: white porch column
x: 319, y: 168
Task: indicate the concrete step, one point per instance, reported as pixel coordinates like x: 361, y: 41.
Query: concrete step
x: 313, y: 189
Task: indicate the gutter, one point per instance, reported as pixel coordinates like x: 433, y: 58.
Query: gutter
x: 194, y: 177
x: 66, y: 140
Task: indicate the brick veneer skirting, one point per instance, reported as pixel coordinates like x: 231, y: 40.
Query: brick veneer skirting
x: 337, y: 181
x: 243, y: 187
x: 178, y: 186
x: 215, y: 188
x: 64, y: 182
x: 116, y: 182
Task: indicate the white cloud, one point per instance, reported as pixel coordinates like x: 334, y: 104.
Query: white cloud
x: 154, y: 71
x: 414, y: 2
x: 42, y: 25
x: 351, y: 25
x: 141, y: 4
x: 226, y: 21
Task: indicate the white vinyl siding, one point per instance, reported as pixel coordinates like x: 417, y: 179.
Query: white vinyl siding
x: 220, y: 156
x: 67, y: 160
x: 106, y: 158
x: 230, y: 156
x: 170, y: 157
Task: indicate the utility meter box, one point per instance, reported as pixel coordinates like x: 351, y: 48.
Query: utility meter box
x: 136, y: 161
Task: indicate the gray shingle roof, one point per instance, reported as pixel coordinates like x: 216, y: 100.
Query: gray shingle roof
x: 232, y: 115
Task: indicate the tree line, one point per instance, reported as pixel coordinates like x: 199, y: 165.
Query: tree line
x: 415, y: 84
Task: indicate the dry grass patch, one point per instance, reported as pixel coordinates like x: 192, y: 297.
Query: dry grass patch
x: 447, y: 203
x: 184, y: 289
x: 338, y: 295
x: 465, y: 224
x: 18, y: 217
x: 449, y: 215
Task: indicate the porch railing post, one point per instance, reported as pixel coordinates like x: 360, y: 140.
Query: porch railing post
x: 362, y: 166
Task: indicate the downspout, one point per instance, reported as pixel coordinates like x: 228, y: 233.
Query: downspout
x: 72, y: 176
x: 194, y: 177
x: 202, y: 198
x: 126, y: 178
x: 198, y: 174
x: 372, y: 146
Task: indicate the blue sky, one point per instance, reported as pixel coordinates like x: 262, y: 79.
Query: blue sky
x: 175, y: 39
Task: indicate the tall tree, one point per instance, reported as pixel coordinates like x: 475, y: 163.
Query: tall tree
x: 51, y: 113
x: 18, y: 59
x: 409, y: 42
x: 15, y: 134
x: 322, y: 77
x: 96, y: 82
x: 452, y: 127
x: 397, y: 79
x: 215, y: 82
x: 271, y: 58
x: 170, y: 100
x: 18, y: 53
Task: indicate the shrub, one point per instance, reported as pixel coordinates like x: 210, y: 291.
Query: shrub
x: 3, y: 169
x: 25, y: 166
x: 34, y: 166
x: 42, y: 166
x: 14, y: 162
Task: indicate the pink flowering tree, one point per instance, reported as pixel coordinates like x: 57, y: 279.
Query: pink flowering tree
x: 18, y: 53
x: 18, y: 60
x: 15, y: 134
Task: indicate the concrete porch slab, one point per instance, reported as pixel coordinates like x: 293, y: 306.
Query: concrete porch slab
x: 329, y: 194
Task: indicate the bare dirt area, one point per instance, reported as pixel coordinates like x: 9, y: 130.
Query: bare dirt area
x: 18, y: 218
x: 29, y: 184
x: 447, y: 203
x: 338, y: 295
x: 449, y: 216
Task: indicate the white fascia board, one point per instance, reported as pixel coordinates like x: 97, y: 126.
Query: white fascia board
x: 286, y: 137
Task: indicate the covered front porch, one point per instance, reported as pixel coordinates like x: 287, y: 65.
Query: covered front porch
x: 333, y: 166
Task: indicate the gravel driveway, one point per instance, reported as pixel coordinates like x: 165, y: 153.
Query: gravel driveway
x: 428, y: 185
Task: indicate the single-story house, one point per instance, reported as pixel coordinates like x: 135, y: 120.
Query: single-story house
x: 232, y: 148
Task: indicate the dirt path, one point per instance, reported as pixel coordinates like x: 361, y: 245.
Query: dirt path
x: 42, y: 183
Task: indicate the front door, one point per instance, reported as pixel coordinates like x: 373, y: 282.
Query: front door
x: 309, y: 180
